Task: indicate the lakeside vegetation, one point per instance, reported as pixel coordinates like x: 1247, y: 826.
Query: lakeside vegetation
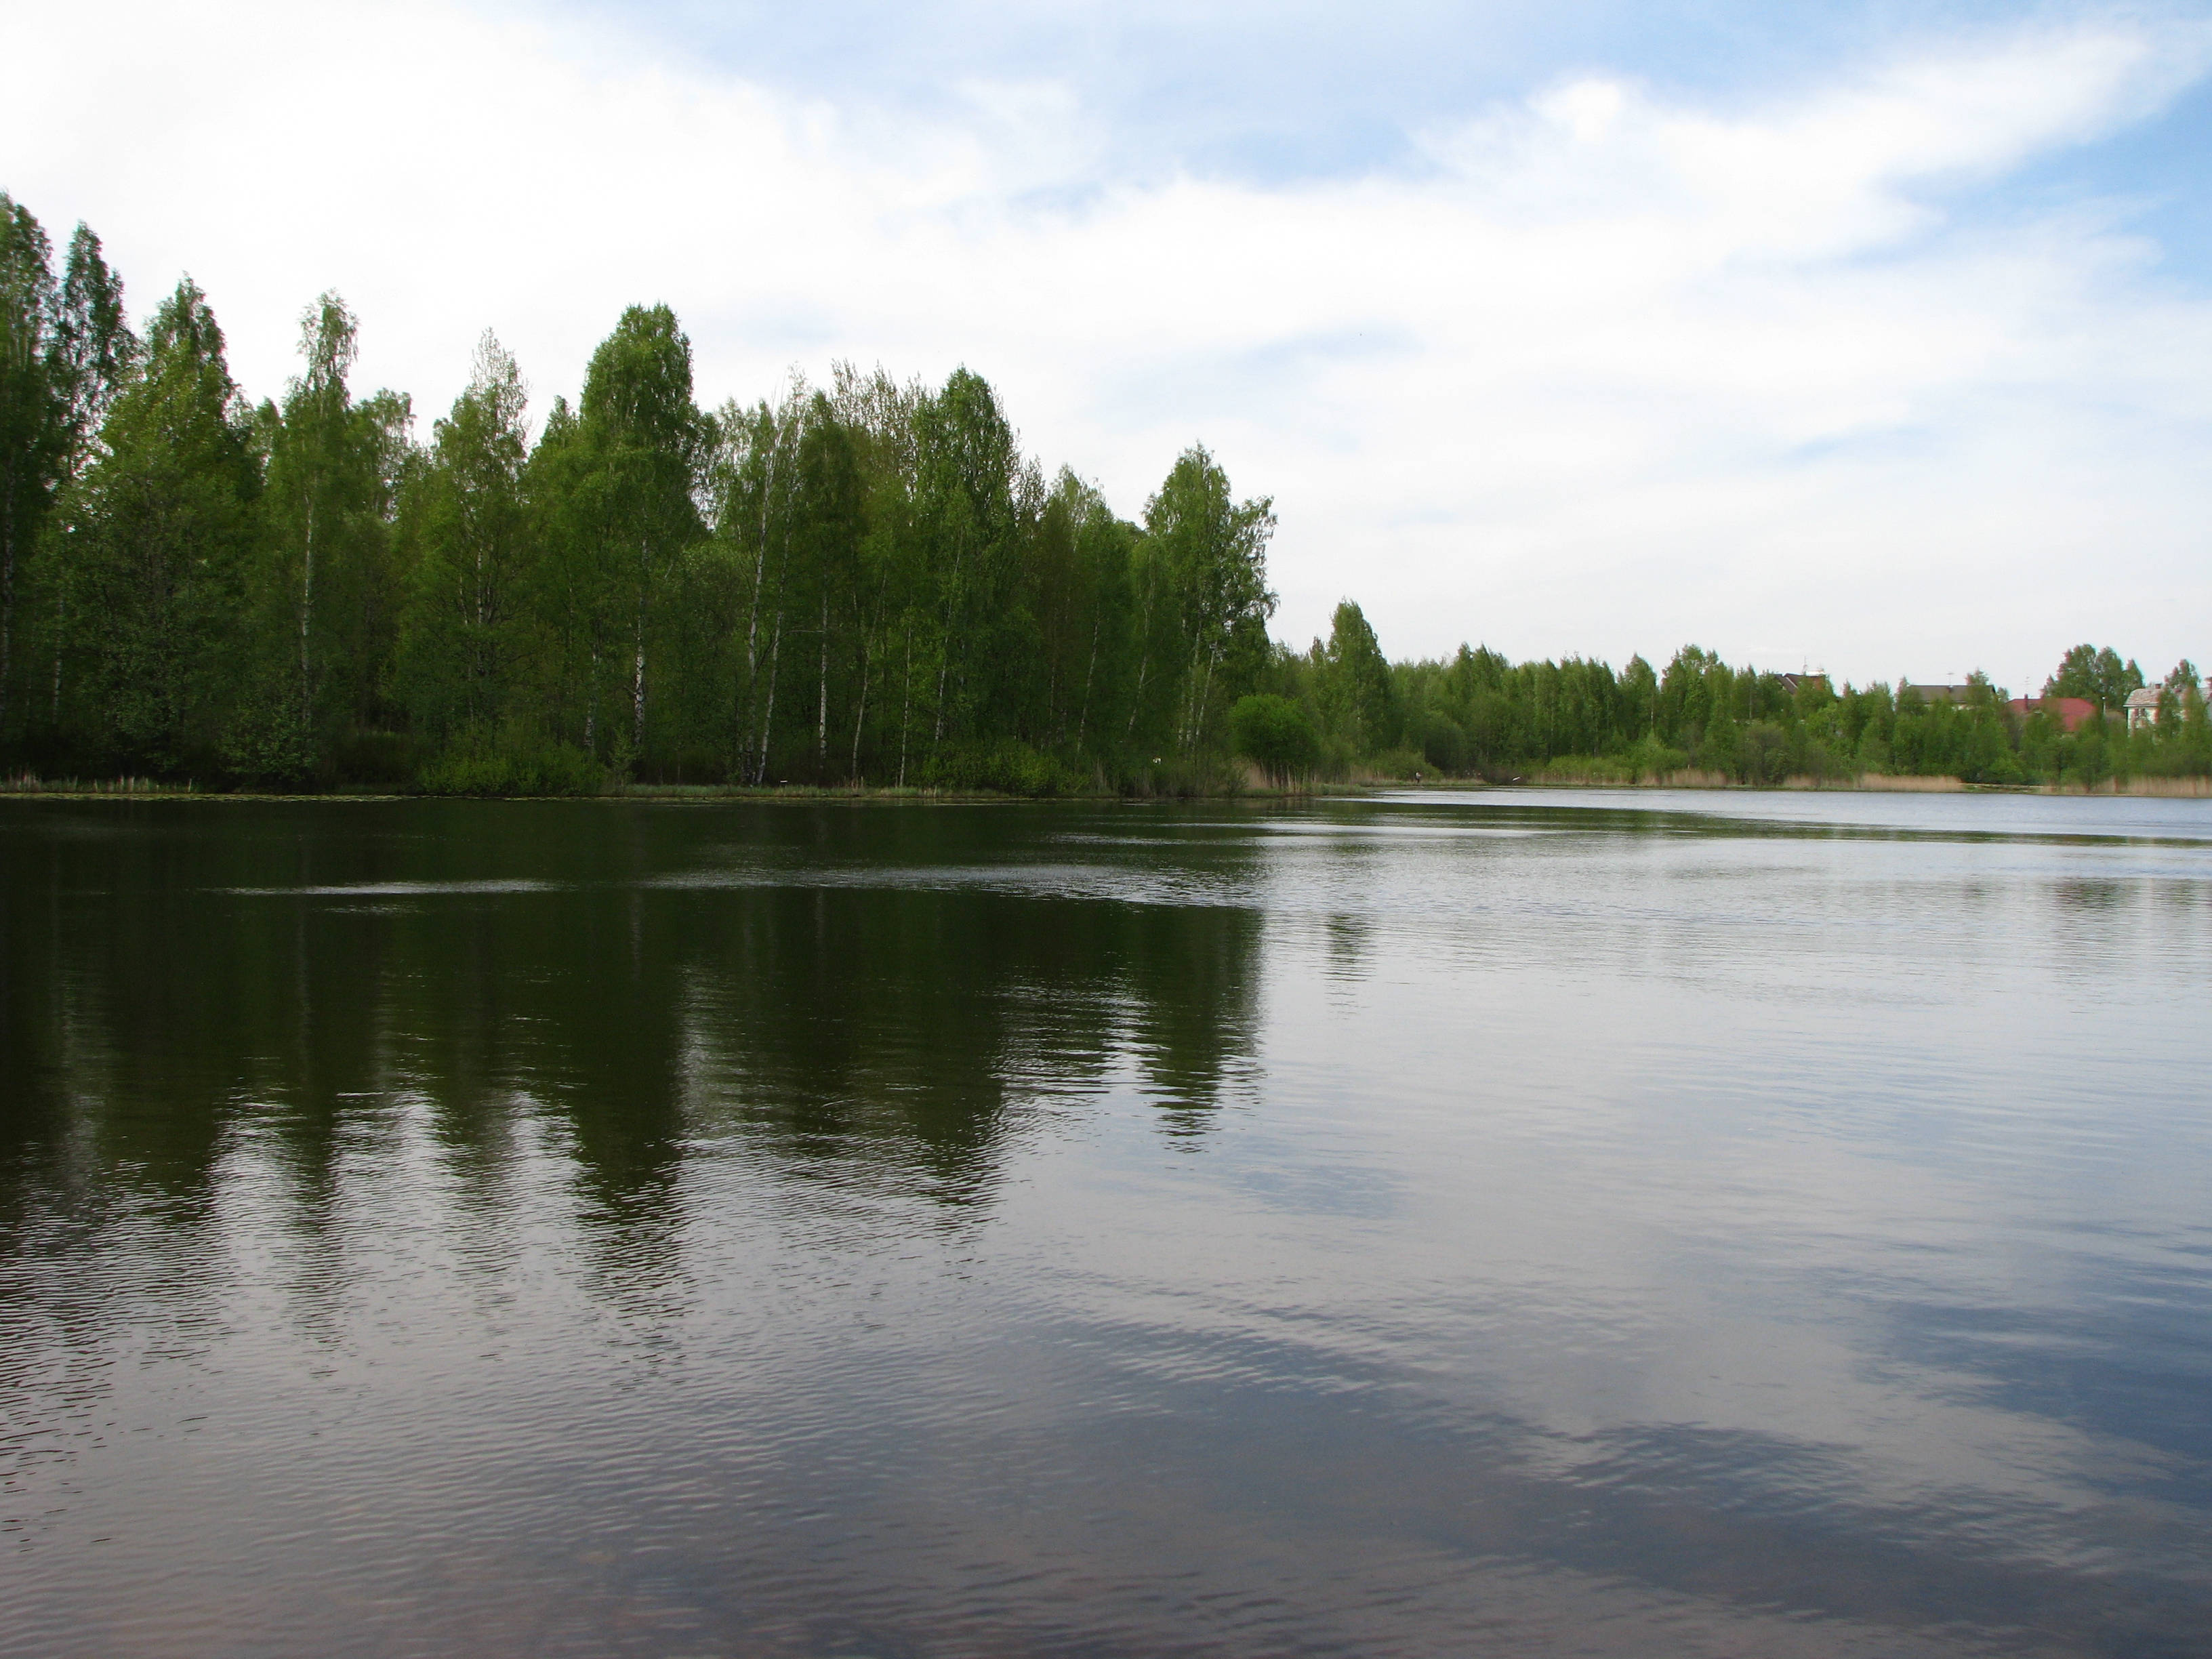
x: 861, y: 584
x: 1700, y: 720
x: 867, y: 580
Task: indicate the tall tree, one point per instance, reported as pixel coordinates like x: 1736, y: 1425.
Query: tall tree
x: 326, y: 607
x: 2099, y: 676
x: 1357, y: 696
x: 33, y: 435
x: 639, y: 447
x: 755, y: 478
x: 460, y: 616
x: 879, y: 413
x: 967, y: 472
x: 831, y: 510
x: 1207, y: 555
x: 1080, y: 563
x: 162, y: 526
x: 93, y: 353
x: 93, y: 349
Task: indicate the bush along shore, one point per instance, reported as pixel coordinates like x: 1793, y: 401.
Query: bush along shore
x: 862, y: 586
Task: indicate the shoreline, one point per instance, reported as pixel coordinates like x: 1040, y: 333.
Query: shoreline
x: 2186, y: 788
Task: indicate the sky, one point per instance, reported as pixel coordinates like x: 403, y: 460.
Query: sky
x: 1870, y: 338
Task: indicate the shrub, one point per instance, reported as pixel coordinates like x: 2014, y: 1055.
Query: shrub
x: 1008, y: 766
x: 517, y: 764
x: 1763, y: 752
x: 1276, y: 733
x: 1585, y: 769
x: 1648, y: 760
x: 1443, y: 742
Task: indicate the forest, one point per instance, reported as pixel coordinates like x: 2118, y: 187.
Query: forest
x: 865, y: 583
x: 862, y: 582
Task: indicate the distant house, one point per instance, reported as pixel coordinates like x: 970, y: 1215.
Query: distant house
x: 1792, y: 682
x: 2142, y: 707
x: 1935, y: 693
x: 2071, y: 713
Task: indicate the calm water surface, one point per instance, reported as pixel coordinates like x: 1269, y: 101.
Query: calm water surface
x: 1508, y: 1223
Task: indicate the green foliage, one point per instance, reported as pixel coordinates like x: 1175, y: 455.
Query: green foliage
x: 1762, y: 752
x: 511, y: 762
x: 1352, y: 684
x: 383, y: 760
x: 1276, y: 734
x: 1649, y: 760
x: 1577, y: 720
x: 1444, y: 743
x: 1007, y: 766
x: 149, y: 572
x: 323, y: 600
x: 34, y: 431
x: 1201, y: 569
x: 465, y: 527
x: 614, y: 485
x: 866, y: 582
x: 2099, y: 676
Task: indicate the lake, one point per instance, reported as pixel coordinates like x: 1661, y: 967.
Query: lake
x: 1507, y: 1222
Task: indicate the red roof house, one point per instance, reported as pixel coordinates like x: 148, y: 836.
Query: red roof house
x: 2070, y: 712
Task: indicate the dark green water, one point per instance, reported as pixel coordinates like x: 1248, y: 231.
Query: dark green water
x: 1503, y: 1224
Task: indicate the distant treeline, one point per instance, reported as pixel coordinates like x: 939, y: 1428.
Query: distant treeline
x: 1341, y: 706
x: 862, y: 583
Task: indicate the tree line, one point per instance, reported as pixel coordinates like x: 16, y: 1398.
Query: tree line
x: 1341, y: 706
x: 864, y: 581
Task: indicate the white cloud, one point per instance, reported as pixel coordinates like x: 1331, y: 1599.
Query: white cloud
x: 1610, y: 375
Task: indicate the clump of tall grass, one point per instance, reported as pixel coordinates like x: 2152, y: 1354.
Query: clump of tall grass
x: 2183, y: 789
x: 27, y: 783
x: 1183, y: 777
x: 1910, y: 784
x: 1648, y: 762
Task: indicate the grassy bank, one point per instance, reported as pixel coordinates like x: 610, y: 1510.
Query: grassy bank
x: 24, y: 783
x: 1166, y: 781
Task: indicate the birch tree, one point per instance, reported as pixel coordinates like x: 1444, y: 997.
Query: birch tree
x: 1207, y: 554
x: 457, y: 642
x: 324, y: 604
x: 643, y: 444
